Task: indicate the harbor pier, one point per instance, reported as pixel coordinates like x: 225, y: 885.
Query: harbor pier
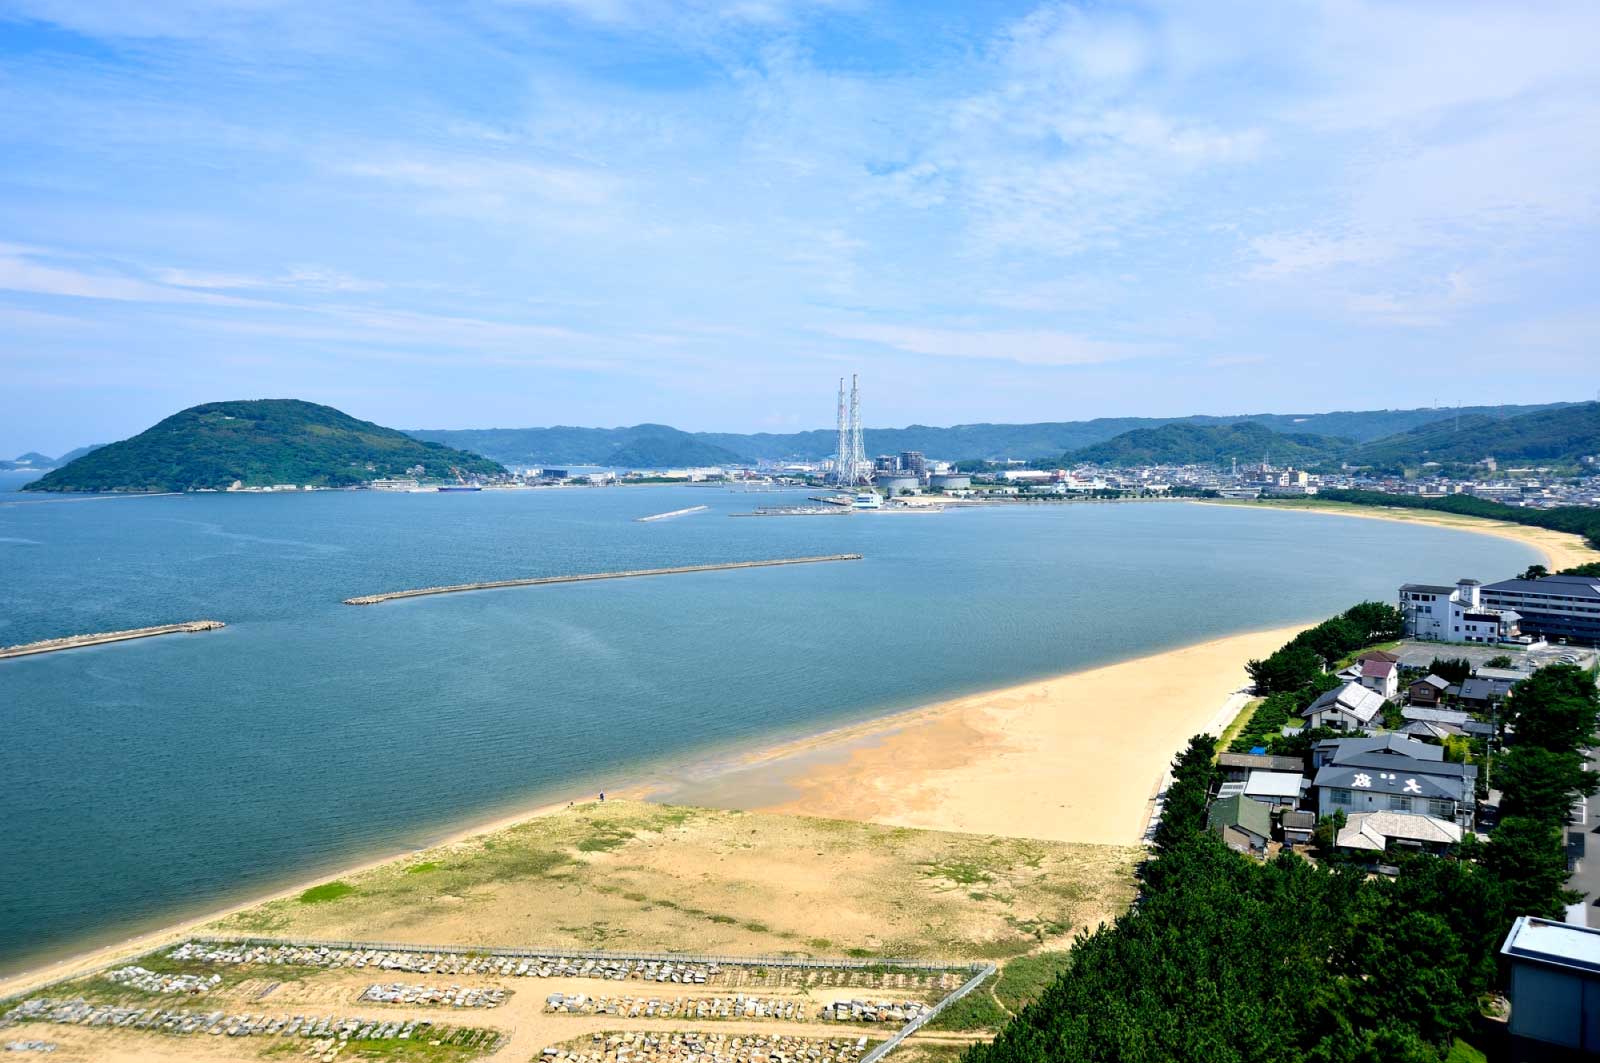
x: 74, y: 642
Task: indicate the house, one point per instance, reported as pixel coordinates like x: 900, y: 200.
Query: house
x: 1428, y: 691
x: 1481, y: 693
x: 1448, y: 717
x: 1397, y: 775
x: 1427, y: 731
x: 1554, y: 984
x: 1377, y: 831
x: 1351, y: 707
x: 1332, y: 750
x: 1381, y: 677
x: 1378, y: 655
x: 1435, y: 613
x: 1297, y: 826
x: 1552, y: 608
x: 1276, y: 789
x: 1236, y: 767
x: 1244, y: 824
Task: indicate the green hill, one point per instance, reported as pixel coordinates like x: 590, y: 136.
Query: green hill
x: 1192, y: 444
x: 1560, y: 436
x: 1044, y: 439
x: 257, y: 442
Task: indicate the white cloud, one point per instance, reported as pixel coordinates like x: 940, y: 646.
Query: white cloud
x: 1026, y: 347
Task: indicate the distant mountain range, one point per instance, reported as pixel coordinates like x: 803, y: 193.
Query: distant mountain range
x: 256, y: 443
x: 1220, y: 444
x: 658, y: 445
x: 33, y: 461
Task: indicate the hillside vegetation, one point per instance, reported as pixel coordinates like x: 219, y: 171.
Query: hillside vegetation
x: 258, y: 443
x: 1187, y: 444
x: 1035, y: 441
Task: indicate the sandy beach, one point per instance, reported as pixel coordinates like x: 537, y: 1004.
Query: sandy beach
x: 1073, y: 758
x: 1561, y: 550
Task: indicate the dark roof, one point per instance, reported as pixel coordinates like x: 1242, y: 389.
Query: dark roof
x: 1565, y: 586
x: 1437, y: 682
x: 1301, y: 820
x: 1478, y: 727
x: 1389, y: 762
x: 1478, y: 688
x: 1340, y: 749
x: 1426, y: 588
x: 1376, y: 669
x: 1379, y: 655
x: 1384, y: 780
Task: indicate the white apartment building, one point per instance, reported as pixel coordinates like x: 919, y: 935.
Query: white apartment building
x: 1454, y: 614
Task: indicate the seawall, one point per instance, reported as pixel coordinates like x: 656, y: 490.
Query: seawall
x: 374, y: 599
x: 73, y: 642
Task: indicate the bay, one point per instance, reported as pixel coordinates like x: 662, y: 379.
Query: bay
x: 144, y: 781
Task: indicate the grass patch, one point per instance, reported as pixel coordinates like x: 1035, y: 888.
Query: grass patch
x: 757, y: 928
x: 978, y: 1010
x: 725, y: 920
x: 958, y: 871
x: 423, y: 868
x: 328, y: 891
x: 1461, y: 1052
x: 1022, y: 979
x: 605, y: 840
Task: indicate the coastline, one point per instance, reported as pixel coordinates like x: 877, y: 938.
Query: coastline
x: 1559, y: 549
x: 1074, y: 757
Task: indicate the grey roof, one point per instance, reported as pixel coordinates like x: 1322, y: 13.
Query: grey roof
x: 1477, y: 688
x: 1339, y: 749
x: 1437, y: 682
x: 1372, y: 830
x: 1478, y: 727
x: 1427, y: 588
x: 1563, y: 586
x: 1305, y: 819
x: 1352, y: 699
x: 1499, y: 675
x: 1377, y: 780
x: 1261, y: 761
x: 1428, y: 729
x: 1389, y: 762
x: 1451, y: 716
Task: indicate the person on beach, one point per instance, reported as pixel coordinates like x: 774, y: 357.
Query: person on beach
x: 602, y: 797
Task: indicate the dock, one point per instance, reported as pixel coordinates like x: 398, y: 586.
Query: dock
x: 673, y: 513
x: 74, y: 642
x: 375, y: 599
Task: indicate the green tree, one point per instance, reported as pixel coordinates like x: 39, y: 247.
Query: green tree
x: 1375, y: 621
x: 1535, y: 572
x: 1455, y: 669
x: 1557, y: 707
x: 1538, y: 783
x: 1528, y: 859
x: 1287, y: 669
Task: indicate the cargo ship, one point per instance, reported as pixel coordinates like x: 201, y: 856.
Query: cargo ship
x: 459, y: 487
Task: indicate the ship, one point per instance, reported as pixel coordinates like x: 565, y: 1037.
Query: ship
x: 867, y: 500
x: 458, y: 487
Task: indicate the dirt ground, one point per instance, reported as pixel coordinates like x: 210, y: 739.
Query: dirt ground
x: 627, y: 875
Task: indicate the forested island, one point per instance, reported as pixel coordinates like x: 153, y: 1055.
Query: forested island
x: 259, y: 443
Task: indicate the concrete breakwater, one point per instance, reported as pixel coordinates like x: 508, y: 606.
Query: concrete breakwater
x: 673, y: 513
x: 374, y: 599
x: 73, y: 642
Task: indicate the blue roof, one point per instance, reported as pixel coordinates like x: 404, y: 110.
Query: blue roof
x: 1258, y: 749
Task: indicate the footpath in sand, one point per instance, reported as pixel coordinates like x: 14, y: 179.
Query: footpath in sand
x: 1076, y: 757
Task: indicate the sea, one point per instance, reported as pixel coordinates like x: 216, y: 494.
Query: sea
x: 163, y: 778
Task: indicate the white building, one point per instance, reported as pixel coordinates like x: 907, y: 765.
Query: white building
x: 1436, y: 613
x: 1555, y: 983
x: 1351, y: 707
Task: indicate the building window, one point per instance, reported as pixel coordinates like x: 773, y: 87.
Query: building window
x: 1398, y: 803
x: 1339, y: 797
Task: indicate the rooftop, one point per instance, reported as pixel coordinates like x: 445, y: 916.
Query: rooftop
x: 1274, y: 784
x: 1404, y: 784
x: 1240, y: 811
x: 1352, y: 698
x: 1554, y: 586
x: 1260, y: 760
x: 1373, y: 830
x: 1339, y: 750
x: 1555, y: 944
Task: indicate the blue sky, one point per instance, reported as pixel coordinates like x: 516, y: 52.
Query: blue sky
x: 703, y: 212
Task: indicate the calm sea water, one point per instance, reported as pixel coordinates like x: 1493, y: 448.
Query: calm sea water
x: 159, y: 778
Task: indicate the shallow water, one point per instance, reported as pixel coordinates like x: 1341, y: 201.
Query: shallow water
x: 147, y: 780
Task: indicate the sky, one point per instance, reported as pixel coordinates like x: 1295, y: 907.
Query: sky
x: 703, y: 212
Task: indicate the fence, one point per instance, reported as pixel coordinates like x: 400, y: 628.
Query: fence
x: 928, y: 1016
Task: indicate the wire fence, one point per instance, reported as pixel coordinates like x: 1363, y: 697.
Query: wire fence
x: 987, y: 972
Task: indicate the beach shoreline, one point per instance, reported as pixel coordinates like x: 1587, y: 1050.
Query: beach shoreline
x: 1561, y: 550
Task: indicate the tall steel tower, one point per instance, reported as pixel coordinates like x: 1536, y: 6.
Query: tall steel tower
x: 843, y: 471
x: 859, y: 469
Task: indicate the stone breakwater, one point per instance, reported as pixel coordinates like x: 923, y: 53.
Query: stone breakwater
x: 374, y: 599
x: 73, y: 642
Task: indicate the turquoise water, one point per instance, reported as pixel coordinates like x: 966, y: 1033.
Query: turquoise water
x: 158, y: 778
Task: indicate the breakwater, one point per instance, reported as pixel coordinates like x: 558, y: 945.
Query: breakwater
x: 673, y: 513
x: 374, y: 599
x: 73, y: 642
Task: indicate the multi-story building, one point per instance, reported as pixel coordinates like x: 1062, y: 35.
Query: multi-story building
x: 1393, y: 774
x: 1456, y: 614
x: 1555, y: 607
x: 913, y: 461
